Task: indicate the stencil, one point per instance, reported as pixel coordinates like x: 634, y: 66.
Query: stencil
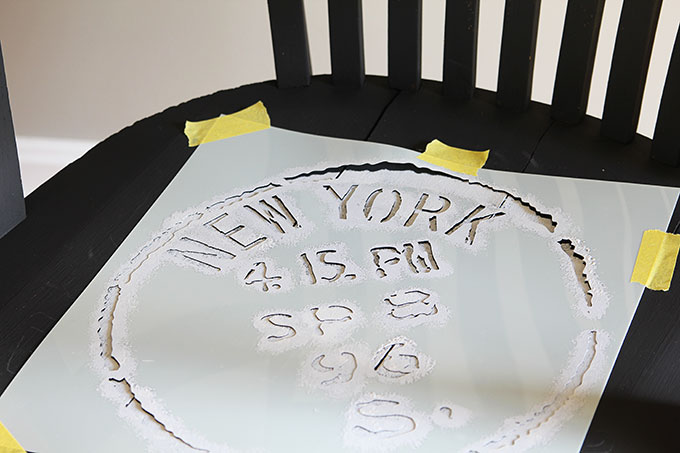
x: 232, y: 238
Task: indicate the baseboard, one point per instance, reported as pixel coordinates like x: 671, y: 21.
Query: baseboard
x: 41, y: 158
x: 50, y: 150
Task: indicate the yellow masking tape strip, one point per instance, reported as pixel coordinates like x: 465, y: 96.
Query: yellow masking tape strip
x: 656, y: 259
x: 8, y: 444
x: 456, y: 159
x: 250, y: 119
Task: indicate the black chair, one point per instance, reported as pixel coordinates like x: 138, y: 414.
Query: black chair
x: 524, y: 135
x: 78, y: 218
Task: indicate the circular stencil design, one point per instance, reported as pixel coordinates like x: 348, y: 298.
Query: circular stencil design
x: 354, y: 287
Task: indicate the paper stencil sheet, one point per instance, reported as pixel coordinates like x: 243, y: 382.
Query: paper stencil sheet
x: 291, y: 292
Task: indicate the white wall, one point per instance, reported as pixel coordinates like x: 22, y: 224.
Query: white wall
x: 84, y: 69
x: 87, y: 68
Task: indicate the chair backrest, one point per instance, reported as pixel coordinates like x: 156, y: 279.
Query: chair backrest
x: 630, y: 62
x: 12, y: 206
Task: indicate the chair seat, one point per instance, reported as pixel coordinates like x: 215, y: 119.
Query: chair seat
x: 580, y: 151
x: 320, y: 108
x: 77, y: 219
x: 416, y: 118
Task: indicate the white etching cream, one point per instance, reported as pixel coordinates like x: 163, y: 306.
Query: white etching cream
x: 380, y: 422
x: 400, y: 361
x: 450, y: 415
x: 338, y: 371
x: 404, y: 309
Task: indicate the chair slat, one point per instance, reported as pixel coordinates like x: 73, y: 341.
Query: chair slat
x: 577, y: 55
x: 404, y: 38
x: 347, y: 42
x: 289, y: 39
x: 460, y: 48
x: 666, y: 144
x: 628, y: 73
x: 12, y: 206
x: 518, y: 47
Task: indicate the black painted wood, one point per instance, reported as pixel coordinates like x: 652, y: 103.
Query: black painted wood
x: 577, y: 56
x: 666, y: 144
x: 628, y: 73
x: 12, y: 207
x: 289, y: 39
x: 518, y: 47
x: 404, y: 42
x: 416, y: 118
x: 580, y: 151
x: 460, y: 48
x: 347, y: 42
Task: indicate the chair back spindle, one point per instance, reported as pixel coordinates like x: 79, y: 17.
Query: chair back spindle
x: 12, y: 206
x: 625, y: 89
x: 577, y: 56
x: 666, y: 144
x: 460, y: 48
x: 518, y: 47
x: 404, y: 40
x: 290, y: 43
x: 347, y: 42
x: 632, y: 52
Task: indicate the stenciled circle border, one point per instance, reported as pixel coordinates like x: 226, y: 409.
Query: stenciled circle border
x: 120, y: 387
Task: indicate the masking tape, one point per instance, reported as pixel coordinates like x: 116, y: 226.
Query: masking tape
x: 656, y: 259
x: 8, y: 444
x: 250, y: 119
x: 456, y: 159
